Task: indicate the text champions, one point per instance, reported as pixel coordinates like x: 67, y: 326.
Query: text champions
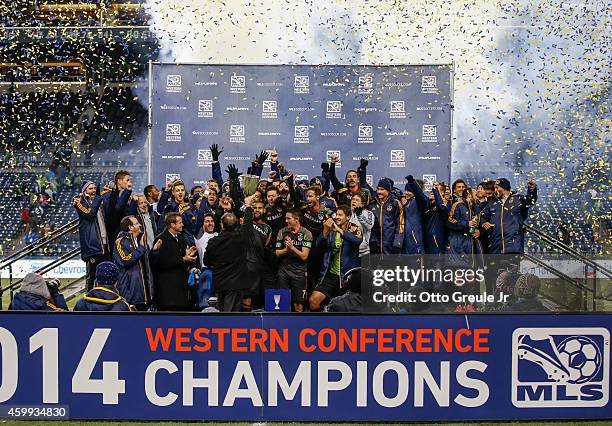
x: 393, y: 381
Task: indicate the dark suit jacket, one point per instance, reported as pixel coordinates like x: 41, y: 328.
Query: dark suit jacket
x: 170, y: 274
x: 226, y: 256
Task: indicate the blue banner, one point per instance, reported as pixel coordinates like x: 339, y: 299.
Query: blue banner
x: 307, y: 367
x: 397, y: 117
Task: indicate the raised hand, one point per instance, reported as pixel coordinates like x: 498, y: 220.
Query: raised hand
x: 325, y: 167
x: 274, y: 155
x: 262, y: 157
x: 157, y: 245
x: 363, y: 163
x: 214, y: 150
x: 232, y: 172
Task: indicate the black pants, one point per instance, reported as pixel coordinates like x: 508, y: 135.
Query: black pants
x: 90, y: 269
x: 230, y: 301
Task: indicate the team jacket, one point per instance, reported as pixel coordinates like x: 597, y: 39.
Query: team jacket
x: 508, y: 217
x: 89, y: 229
x: 434, y: 219
x: 134, y: 282
x: 192, y: 217
x: 259, y: 235
x: 349, y: 250
x: 342, y: 194
x: 413, y: 228
x: 387, y: 232
x: 26, y: 301
x: 102, y: 298
x: 459, y: 239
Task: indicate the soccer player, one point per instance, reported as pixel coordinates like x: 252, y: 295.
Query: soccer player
x: 173, y: 200
x: 352, y: 185
x: 293, y: 245
x: 339, y: 242
x: 387, y: 232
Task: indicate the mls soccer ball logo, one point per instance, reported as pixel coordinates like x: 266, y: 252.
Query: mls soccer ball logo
x: 204, y: 155
x: 428, y: 81
x: 334, y: 106
x: 397, y: 106
x: 365, y: 131
x: 173, y: 129
x: 429, y: 130
x: 365, y: 82
x: 301, y: 131
x: 331, y: 154
x: 565, y: 367
x: 205, y: 105
x: 397, y: 155
x: 301, y: 81
x: 173, y: 80
x: 269, y: 106
x: 237, y: 81
x: 237, y: 130
x: 171, y: 177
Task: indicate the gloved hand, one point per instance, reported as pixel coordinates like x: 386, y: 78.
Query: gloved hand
x: 232, y: 172
x: 358, y: 210
x: 53, y: 286
x: 410, y: 179
x: 363, y: 163
x: 325, y: 167
x: 262, y: 157
x: 214, y: 150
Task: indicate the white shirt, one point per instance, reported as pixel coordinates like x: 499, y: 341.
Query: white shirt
x: 201, y: 244
x: 365, y: 221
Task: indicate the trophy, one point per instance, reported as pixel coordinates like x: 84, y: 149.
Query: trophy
x: 249, y: 184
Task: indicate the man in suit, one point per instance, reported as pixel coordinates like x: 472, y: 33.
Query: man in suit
x: 171, y: 262
x: 226, y: 255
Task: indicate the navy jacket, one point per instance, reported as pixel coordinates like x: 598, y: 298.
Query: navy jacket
x: 434, y: 219
x: 192, y: 217
x: 349, y: 250
x: 413, y: 228
x: 387, y: 232
x: 134, y: 282
x: 506, y: 236
x: 102, y: 298
x: 89, y: 229
x: 459, y: 239
x: 25, y: 301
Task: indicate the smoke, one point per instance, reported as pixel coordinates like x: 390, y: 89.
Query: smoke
x: 521, y: 68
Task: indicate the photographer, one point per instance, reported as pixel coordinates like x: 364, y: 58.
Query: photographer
x: 37, y: 295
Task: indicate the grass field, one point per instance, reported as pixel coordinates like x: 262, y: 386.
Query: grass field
x: 105, y: 423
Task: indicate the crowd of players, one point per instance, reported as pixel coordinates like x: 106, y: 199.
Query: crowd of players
x: 184, y: 249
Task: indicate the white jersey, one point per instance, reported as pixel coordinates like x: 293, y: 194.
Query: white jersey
x: 202, y: 243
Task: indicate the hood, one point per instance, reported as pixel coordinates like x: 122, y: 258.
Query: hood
x: 35, y: 284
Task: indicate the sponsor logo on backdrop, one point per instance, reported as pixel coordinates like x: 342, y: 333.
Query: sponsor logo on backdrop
x: 334, y: 153
x: 429, y: 133
x: 428, y: 157
x: 333, y: 84
x: 205, y: 83
x: 300, y: 158
x: 269, y: 84
x: 269, y: 109
x: 172, y: 107
x: 204, y: 158
x: 365, y: 134
x: 370, y: 180
x: 237, y: 84
x: 235, y: 108
x: 301, y: 177
x: 205, y: 132
x: 171, y: 177
x: 174, y: 83
x: 173, y: 132
x: 333, y: 110
x: 237, y: 133
x: 268, y: 133
x: 301, y: 84
x: 301, y: 109
x: 366, y: 84
x: 398, y: 158
x: 429, y: 84
x: 368, y: 157
x: 429, y: 108
x: 397, y: 109
x: 301, y: 134
x: 205, y: 108
x: 428, y: 181
x: 333, y: 134
x: 400, y: 133
x: 174, y: 157
x: 560, y: 367
x: 237, y: 158
x: 365, y: 109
